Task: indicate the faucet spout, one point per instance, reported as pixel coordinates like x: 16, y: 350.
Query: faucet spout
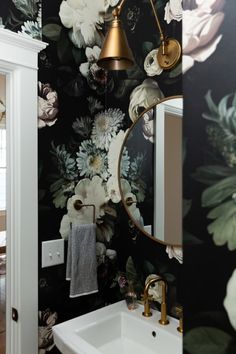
x: 147, y: 311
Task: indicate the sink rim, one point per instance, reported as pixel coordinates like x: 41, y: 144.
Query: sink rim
x: 66, y: 334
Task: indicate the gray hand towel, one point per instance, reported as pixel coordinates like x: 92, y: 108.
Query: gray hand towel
x: 81, y: 267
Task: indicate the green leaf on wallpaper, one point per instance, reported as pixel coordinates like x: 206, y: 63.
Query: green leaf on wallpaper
x: 190, y: 239
x: 212, y: 173
x: 132, y: 274
x: 78, y: 55
x: 222, y: 107
x: 170, y: 278
x: 52, y: 31
x: 147, y: 47
x: 187, y: 203
x: 219, y: 192
x: 135, y: 73
x: 125, y: 86
x: 28, y: 8
x: 207, y: 340
x: 149, y: 268
x: 64, y: 49
x: 223, y: 228
x: 211, y: 105
x: 176, y: 71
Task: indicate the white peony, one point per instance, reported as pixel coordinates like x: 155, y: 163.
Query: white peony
x: 200, y: 31
x: 144, y: 96
x: 173, y: 11
x: 175, y: 252
x: 92, y: 192
x: 88, y: 192
x: 84, y: 18
x: 230, y: 299
x: 151, y: 65
x: 113, y: 189
x: 132, y: 208
x: 114, y: 154
x: 92, y: 55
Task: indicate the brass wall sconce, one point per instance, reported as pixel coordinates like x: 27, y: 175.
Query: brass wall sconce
x: 117, y: 55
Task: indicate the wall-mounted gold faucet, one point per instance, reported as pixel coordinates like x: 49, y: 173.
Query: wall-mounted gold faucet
x: 147, y: 311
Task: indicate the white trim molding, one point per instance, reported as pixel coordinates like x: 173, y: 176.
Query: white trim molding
x: 19, y: 62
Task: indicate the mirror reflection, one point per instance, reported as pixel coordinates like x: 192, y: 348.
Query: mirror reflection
x: 152, y: 191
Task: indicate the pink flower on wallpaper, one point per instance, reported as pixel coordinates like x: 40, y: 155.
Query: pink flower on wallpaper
x: 47, y: 105
x: 201, y: 25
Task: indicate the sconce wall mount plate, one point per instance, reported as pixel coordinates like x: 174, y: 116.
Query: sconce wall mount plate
x: 172, y: 54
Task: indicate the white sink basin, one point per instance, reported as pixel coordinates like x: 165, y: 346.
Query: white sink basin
x: 116, y: 330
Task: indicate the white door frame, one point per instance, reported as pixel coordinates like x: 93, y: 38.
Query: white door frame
x: 18, y: 61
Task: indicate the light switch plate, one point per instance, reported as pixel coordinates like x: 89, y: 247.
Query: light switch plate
x: 52, y: 253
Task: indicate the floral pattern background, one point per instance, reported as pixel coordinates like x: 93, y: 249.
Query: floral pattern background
x: 84, y: 114
x: 209, y: 177
x: 23, y: 16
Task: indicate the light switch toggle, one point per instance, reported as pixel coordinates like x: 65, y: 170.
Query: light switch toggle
x: 52, y: 253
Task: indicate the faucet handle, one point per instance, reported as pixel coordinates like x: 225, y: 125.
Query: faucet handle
x: 179, y: 313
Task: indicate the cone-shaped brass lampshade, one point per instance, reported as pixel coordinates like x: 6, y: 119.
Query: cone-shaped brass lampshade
x: 116, y: 53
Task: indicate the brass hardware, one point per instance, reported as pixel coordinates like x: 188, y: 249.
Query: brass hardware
x: 170, y: 55
x: 117, y: 55
x: 79, y: 205
x: 179, y: 312
x: 147, y: 311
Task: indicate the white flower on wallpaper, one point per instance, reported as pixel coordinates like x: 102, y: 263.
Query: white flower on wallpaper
x: 31, y: 29
x: 175, y: 252
x: 91, y: 71
x: 113, y: 189
x: 84, y: 18
x: 1, y: 23
x: 91, y: 161
x: 148, y: 126
x: 111, y: 3
x: 47, y: 105
x: 173, y: 11
x: 28, y: 8
x: 151, y: 65
x: 156, y: 289
x: 144, y: 96
x: 83, y: 126
x: 132, y: 208
x: 87, y: 191
x: 114, y: 154
x: 230, y: 299
x: 93, y: 192
x: 105, y: 127
x: 200, y: 31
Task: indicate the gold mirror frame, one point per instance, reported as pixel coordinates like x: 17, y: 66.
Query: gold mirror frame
x: 119, y: 176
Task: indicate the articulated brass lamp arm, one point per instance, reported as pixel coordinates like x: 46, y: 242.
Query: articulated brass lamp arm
x: 117, y: 55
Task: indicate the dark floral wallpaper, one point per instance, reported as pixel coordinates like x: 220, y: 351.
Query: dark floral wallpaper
x: 23, y: 16
x: 84, y: 114
x: 209, y: 177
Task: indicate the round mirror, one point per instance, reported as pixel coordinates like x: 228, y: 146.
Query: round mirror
x: 150, y: 171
